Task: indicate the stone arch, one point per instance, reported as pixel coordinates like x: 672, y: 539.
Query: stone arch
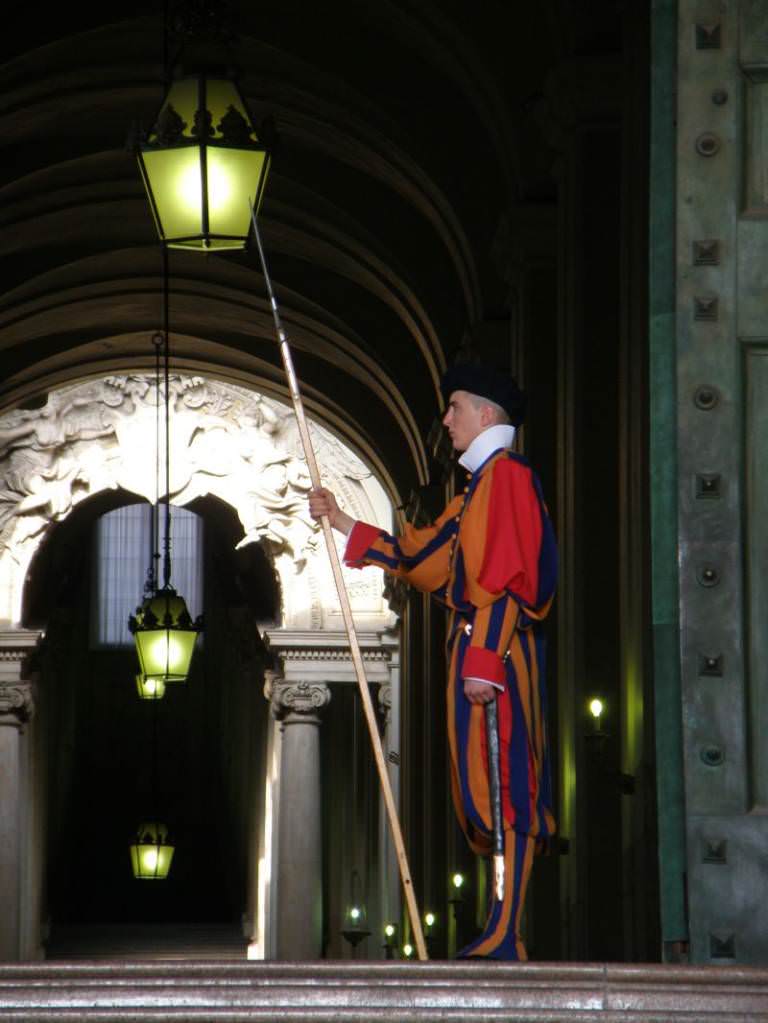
x: 235, y: 444
x: 89, y: 448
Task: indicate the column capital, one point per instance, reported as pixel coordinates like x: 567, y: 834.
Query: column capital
x: 16, y: 703
x: 17, y: 647
x: 295, y: 701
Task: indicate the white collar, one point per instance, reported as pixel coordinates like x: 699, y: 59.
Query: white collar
x: 484, y: 445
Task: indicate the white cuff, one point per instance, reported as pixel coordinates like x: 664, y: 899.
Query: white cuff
x: 485, y: 681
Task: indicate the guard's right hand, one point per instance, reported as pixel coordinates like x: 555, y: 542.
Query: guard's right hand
x: 479, y: 692
x: 322, y: 502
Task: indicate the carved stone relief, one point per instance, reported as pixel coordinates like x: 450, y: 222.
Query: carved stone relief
x: 224, y: 440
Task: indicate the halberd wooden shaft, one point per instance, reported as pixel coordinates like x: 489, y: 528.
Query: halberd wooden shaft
x: 346, y: 612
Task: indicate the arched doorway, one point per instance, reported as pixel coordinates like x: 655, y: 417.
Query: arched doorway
x: 206, y: 753
x: 114, y: 761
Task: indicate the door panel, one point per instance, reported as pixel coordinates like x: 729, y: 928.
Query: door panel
x: 722, y: 326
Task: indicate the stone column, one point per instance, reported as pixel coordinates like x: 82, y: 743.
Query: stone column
x: 16, y: 707
x: 299, y: 847
x: 390, y: 886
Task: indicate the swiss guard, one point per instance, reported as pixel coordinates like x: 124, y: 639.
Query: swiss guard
x: 491, y: 559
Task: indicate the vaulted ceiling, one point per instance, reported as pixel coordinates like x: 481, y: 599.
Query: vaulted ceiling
x: 407, y: 131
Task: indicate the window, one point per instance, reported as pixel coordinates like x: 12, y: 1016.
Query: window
x: 122, y: 555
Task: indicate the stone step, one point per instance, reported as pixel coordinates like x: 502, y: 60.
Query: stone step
x: 328, y: 992
x: 146, y: 941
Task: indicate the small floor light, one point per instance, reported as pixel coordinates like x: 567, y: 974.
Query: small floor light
x: 457, y: 883
x: 390, y: 940
x: 151, y: 852
x: 354, y: 930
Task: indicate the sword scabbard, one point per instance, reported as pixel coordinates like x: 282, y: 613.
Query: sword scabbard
x: 494, y: 785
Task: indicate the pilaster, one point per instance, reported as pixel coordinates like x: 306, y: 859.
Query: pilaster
x: 16, y: 710
x: 297, y: 706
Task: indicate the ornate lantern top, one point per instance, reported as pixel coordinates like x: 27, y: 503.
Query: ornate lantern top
x: 203, y: 165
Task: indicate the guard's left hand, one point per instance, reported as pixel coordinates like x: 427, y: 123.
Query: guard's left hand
x: 478, y: 692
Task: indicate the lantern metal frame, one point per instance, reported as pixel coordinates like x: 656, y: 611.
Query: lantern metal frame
x: 200, y: 162
x: 151, y: 852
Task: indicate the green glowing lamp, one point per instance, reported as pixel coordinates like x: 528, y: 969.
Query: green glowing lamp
x: 165, y: 636
x: 457, y: 884
x: 596, y: 708
x: 390, y: 940
x: 150, y: 688
x: 202, y: 164
x: 151, y: 853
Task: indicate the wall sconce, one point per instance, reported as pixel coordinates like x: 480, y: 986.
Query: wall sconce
x: 597, y: 739
x: 595, y: 736
x: 596, y: 709
x: 407, y: 950
x: 151, y: 852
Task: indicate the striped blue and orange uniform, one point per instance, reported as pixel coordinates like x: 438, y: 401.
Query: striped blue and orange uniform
x: 491, y: 558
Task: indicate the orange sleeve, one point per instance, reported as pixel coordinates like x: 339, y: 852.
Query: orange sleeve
x: 420, y: 556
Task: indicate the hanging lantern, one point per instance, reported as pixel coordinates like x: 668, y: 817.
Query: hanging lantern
x: 203, y: 166
x: 151, y: 853
x: 150, y: 688
x: 165, y: 636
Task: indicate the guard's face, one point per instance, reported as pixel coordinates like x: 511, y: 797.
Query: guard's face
x: 464, y: 420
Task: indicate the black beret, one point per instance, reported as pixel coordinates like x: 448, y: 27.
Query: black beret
x: 486, y: 382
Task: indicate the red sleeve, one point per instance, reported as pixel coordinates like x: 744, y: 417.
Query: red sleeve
x: 483, y: 664
x: 361, y: 538
x: 513, y: 537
